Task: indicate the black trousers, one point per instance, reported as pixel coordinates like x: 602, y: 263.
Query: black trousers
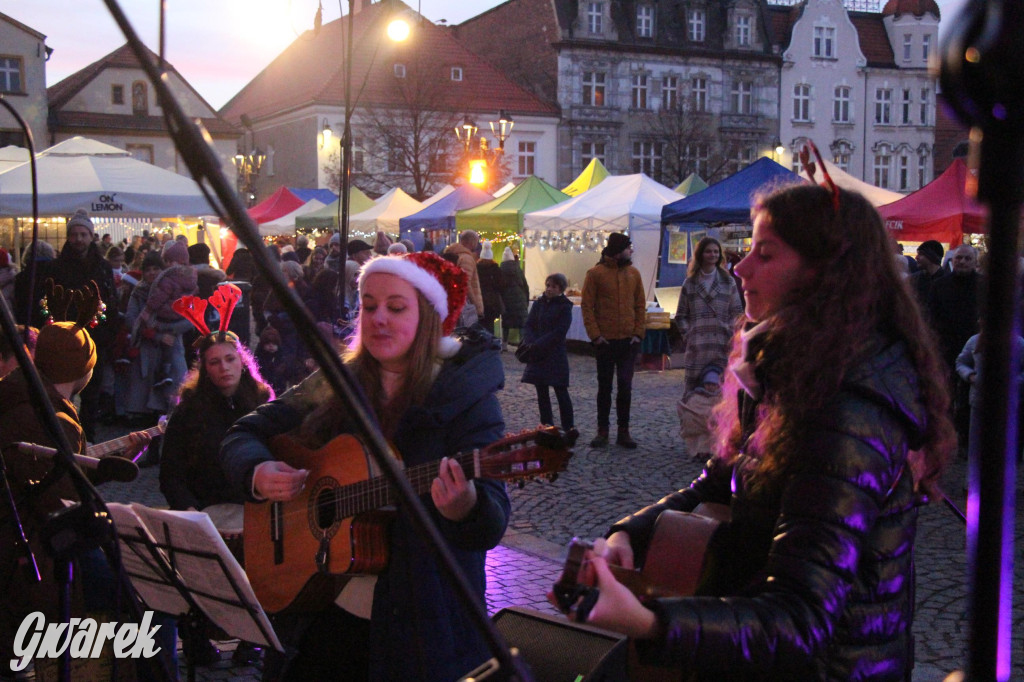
x: 564, y: 406
x: 617, y: 359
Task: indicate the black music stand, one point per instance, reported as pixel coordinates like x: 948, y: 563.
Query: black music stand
x: 189, y: 572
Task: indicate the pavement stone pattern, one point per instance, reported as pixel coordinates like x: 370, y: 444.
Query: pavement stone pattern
x: 602, y: 485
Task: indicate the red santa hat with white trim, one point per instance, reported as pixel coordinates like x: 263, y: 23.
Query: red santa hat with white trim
x: 441, y: 282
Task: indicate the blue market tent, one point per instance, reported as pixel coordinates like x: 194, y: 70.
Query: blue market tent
x: 437, y: 221
x: 324, y: 196
x: 724, y: 202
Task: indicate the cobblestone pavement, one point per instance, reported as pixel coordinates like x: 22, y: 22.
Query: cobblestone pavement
x: 602, y: 485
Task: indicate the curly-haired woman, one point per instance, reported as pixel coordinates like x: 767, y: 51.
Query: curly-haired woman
x: 831, y: 385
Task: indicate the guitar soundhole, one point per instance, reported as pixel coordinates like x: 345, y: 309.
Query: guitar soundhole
x: 325, y: 511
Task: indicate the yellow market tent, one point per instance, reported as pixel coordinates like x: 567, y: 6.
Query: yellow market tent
x: 591, y: 176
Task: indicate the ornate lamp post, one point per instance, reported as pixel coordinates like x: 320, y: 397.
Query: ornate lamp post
x: 247, y: 167
x: 483, y: 156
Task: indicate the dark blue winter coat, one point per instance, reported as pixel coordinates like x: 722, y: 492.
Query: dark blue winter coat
x: 419, y: 629
x: 546, y: 327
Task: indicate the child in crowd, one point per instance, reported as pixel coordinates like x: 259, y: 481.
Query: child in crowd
x: 176, y: 280
x: 694, y: 411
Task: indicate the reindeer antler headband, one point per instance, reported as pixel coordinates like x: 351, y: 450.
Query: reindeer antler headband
x: 224, y: 300
x: 90, y: 309
x: 810, y: 168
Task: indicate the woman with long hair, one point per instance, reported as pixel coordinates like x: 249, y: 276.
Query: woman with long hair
x: 223, y: 386
x: 433, y: 396
x: 833, y: 430
x: 709, y: 305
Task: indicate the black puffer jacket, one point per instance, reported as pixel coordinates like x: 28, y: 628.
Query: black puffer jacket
x: 819, y: 584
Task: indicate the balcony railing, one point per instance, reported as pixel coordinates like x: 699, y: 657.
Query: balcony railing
x: 852, y: 5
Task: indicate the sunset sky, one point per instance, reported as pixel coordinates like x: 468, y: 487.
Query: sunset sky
x: 217, y: 45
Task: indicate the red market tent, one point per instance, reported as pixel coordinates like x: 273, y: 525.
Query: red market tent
x: 282, y: 202
x: 940, y: 210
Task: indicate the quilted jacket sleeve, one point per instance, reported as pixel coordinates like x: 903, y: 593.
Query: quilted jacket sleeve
x: 829, y: 518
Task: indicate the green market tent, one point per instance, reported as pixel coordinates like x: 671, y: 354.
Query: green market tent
x: 501, y: 220
x: 591, y: 176
x: 691, y: 185
x: 327, y: 217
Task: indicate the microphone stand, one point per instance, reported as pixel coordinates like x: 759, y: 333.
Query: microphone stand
x: 192, y: 142
x: 981, y: 67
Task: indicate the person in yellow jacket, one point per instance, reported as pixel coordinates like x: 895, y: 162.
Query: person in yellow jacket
x: 615, y: 314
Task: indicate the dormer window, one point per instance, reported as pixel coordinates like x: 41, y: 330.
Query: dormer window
x: 399, y: 70
x: 695, y: 25
x: 743, y: 30
x: 117, y: 94
x: 595, y: 16
x: 824, y: 42
x: 456, y: 73
x: 644, y: 21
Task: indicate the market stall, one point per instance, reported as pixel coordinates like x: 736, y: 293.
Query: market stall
x: 326, y: 218
x: 589, y: 178
x: 383, y: 216
x: 876, y: 195
x: 721, y: 209
x: 436, y: 222
x: 568, y: 237
x: 501, y: 220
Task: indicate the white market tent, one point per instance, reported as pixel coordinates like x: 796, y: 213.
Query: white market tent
x: 505, y: 189
x: 876, y: 195
x: 11, y: 156
x: 384, y: 215
x: 568, y: 237
x: 438, y: 195
x: 102, y: 179
x: 286, y: 223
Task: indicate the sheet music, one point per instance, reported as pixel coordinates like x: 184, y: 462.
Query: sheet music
x: 146, y: 572
x: 186, y: 535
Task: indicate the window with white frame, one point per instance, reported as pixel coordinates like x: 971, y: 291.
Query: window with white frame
x: 595, y: 15
x: 699, y: 92
x: 883, y: 106
x: 908, y: 46
x: 881, y: 168
x: 638, y: 91
x: 527, y: 157
x: 922, y: 170
x: 696, y: 157
x: 742, y: 97
x: 743, y: 29
x: 399, y: 70
x: 841, y: 104
x: 592, y: 150
x: 644, y: 21
x: 905, y: 106
x: 802, y: 102
x: 647, y: 157
x: 11, y: 78
x: 841, y: 156
x: 824, y: 41
x: 456, y: 73
x: 926, y: 98
x: 926, y: 46
x: 670, y: 93
x: 593, y: 88
x: 744, y: 157
x: 903, y: 176
x: 696, y: 23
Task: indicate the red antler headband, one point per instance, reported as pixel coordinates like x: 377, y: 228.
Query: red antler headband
x: 810, y: 168
x: 224, y: 300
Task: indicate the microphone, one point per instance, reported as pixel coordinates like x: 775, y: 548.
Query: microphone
x: 107, y: 468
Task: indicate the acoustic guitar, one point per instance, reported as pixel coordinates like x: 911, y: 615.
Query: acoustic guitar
x: 300, y: 553
x: 676, y: 564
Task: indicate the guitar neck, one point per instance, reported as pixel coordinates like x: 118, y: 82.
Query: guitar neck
x: 118, y: 444
x: 376, y: 492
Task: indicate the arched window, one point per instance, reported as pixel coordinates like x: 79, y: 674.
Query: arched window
x: 140, y: 98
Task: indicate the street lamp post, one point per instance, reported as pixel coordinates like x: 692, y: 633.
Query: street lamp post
x: 247, y: 168
x: 485, y: 156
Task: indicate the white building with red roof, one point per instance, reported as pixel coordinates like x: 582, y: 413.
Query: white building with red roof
x: 407, y: 98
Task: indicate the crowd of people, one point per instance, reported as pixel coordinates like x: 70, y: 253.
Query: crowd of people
x: 823, y: 458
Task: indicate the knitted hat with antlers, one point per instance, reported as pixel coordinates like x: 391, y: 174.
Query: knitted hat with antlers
x: 65, y: 351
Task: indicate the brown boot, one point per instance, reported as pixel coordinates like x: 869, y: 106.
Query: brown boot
x: 624, y: 439
x: 601, y: 439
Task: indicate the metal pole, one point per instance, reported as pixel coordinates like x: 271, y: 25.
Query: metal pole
x: 346, y: 144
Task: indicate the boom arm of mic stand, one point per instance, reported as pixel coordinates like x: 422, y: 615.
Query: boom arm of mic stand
x: 193, y: 144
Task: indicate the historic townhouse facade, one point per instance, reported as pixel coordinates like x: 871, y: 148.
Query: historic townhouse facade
x: 23, y: 55
x: 664, y: 88
x: 857, y: 84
